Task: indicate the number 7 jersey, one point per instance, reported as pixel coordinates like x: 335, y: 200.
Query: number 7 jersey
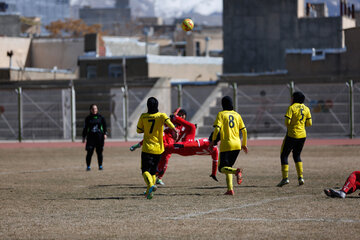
x: 152, y: 125
x: 229, y: 123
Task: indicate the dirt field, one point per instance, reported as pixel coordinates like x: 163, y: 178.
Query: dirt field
x: 45, y: 193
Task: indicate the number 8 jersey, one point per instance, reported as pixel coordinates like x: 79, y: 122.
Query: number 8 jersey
x: 152, y: 125
x: 229, y: 123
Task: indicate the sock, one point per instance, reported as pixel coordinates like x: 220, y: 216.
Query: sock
x: 229, y: 181
x: 299, y: 169
x: 148, y: 180
x: 285, y: 171
x: 228, y: 170
x: 154, y: 179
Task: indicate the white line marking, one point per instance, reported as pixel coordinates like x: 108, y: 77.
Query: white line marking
x: 289, y: 220
x: 193, y: 215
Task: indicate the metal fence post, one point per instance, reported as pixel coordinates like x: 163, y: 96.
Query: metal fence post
x: 73, y: 112
x: 291, y: 87
x: 179, y: 95
x: 234, y: 84
x: 125, y: 102
x: 351, y: 110
x: 20, y: 113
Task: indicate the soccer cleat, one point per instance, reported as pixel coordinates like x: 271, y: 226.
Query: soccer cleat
x: 337, y: 194
x: 160, y: 182
x: 229, y: 192
x: 301, y: 181
x: 327, y: 192
x: 100, y: 168
x: 283, y: 182
x: 88, y: 168
x: 134, y: 147
x: 238, y: 175
x: 152, y: 189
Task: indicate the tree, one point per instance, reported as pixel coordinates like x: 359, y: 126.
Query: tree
x: 72, y: 28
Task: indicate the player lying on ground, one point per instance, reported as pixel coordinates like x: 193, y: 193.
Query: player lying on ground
x: 188, y: 146
x: 350, y: 186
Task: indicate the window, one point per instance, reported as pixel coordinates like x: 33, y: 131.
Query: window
x: 91, y: 72
x: 115, y: 70
x: 197, y: 48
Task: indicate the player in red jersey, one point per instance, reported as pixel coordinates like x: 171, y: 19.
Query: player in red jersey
x: 350, y: 186
x: 185, y: 145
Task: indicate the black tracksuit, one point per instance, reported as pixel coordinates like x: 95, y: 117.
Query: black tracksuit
x: 94, y: 131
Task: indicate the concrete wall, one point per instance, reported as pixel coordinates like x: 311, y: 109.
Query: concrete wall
x: 63, y: 53
x: 39, y: 74
x: 122, y: 46
x: 335, y: 62
x: 257, y: 33
x: 20, y: 48
x: 191, y: 68
x: 135, y: 66
x: 215, y: 43
x: 10, y: 25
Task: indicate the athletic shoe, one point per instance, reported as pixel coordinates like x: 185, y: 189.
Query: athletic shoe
x: 283, y: 182
x: 229, y: 192
x: 327, y: 192
x: 160, y: 182
x: 337, y: 194
x: 238, y: 175
x: 100, y: 167
x: 88, y: 168
x: 151, y: 190
x: 301, y: 181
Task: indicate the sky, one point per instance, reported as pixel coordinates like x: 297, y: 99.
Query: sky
x: 177, y: 8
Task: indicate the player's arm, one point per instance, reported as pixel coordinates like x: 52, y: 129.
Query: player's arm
x: 171, y: 126
x: 85, y: 129
x: 244, y: 140
x: 288, y: 117
x: 140, y: 126
x: 244, y: 135
x: 217, y: 127
x: 104, y: 126
x: 183, y: 122
x: 308, y: 121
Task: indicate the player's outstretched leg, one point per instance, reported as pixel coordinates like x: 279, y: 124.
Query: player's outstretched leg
x: 334, y: 193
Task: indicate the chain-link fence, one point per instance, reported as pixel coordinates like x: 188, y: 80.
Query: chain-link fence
x: 35, y: 114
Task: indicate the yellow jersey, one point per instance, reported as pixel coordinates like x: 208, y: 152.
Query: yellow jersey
x: 152, y: 125
x: 229, y: 123
x: 296, y: 118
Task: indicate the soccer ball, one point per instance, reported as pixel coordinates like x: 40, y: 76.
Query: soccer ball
x: 187, y: 24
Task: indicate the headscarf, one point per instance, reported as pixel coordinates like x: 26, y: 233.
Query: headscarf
x: 152, y: 104
x: 298, y: 97
x: 227, y: 103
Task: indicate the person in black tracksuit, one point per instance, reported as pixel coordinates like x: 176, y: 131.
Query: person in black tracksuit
x: 94, y: 132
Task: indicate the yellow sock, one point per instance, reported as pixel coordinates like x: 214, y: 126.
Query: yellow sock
x: 154, y: 178
x: 299, y: 169
x: 285, y: 171
x: 229, y: 181
x: 228, y: 170
x: 148, y: 180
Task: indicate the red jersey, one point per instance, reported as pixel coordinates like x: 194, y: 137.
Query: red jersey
x: 187, y: 129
